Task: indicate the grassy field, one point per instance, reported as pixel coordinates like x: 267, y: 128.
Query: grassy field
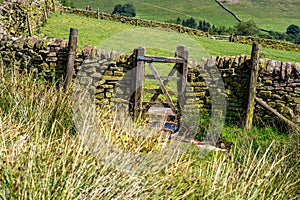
x: 124, y: 38
x: 164, y: 10
x: 275, y: 15
x: 45, y: 155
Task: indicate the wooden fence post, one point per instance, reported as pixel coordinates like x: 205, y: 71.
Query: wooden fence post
x: 181, y: 52
x: 71, y: 56
x: 138, y: 80
x: 252, y: 85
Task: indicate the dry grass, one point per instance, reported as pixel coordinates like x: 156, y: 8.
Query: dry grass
x: 43, y: 156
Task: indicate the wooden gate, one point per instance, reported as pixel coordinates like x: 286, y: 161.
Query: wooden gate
x: 139, y: 59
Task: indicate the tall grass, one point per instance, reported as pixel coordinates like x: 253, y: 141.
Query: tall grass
x: 42, y: 156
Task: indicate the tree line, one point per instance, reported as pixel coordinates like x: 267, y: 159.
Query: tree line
x: 243, y: 28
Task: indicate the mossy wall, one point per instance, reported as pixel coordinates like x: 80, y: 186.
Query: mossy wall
x: 278, y: 82
x: 24, y: 17
x: 45, y: 56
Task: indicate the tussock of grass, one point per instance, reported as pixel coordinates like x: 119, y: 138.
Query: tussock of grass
x: 42, y: 156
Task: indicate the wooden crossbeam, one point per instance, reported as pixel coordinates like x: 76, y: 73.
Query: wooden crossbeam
x: 154, y: 91
x: 168, y: 78
x: 163, y: 88
x: 160, y: 59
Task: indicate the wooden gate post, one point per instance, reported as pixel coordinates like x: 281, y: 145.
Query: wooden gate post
x: 138, y: 82
x: 181, y: 52
x: 71, y: 56
x: 252, y: 85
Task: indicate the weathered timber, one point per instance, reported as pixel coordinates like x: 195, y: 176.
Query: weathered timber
x: 277, y: 114
x: 71, y: 56
x: 252, y: 86
x: 154, y: 91
x: 138, y: 82
x: 181, y: 52
x: 160, y: 59
x: 169, y: 78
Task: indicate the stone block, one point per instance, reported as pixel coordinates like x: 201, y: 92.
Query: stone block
x: 297, y: 69
x: 96, y: 75
x: 112, y: 78
x: 32, y: 41
x: 51, y: 59
x: 265, y: 94
x: 106, y: 86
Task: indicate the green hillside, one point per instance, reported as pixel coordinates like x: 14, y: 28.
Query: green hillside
x: 276, y: 15
x: 101, y: 33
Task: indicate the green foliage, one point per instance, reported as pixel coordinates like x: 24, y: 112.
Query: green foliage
x: 221, y: 30
x: 190, y: 22
x: 293, y: 30
x: 293, y: 33
x: 126, y: 10
x: 67, y: 3
x: 204, y: 26
x: 246, y: 28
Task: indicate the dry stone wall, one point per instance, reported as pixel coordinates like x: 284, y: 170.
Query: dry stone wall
x: 271, y: 44
x: 279, y: 86
x: 24, y: 17
x: 45, y: 56
x: 278, y: 82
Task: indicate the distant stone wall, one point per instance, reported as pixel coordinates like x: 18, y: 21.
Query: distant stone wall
x: 272, y: 44
x: 135, y: 21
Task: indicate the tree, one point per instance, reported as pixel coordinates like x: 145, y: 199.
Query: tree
x: 293, y: 30
x: 246, y: 28
x: 127, y: 10
x: 178, y: 20
x: 67, y: 3
x: 118, y: 9
x: 190, y: 22
x: 204, y: 26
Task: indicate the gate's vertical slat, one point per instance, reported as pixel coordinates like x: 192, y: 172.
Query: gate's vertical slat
x: 181, y: 51
x: 139, y: 82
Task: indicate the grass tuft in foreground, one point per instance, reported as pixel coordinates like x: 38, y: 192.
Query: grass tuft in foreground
x: 42, y: 156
